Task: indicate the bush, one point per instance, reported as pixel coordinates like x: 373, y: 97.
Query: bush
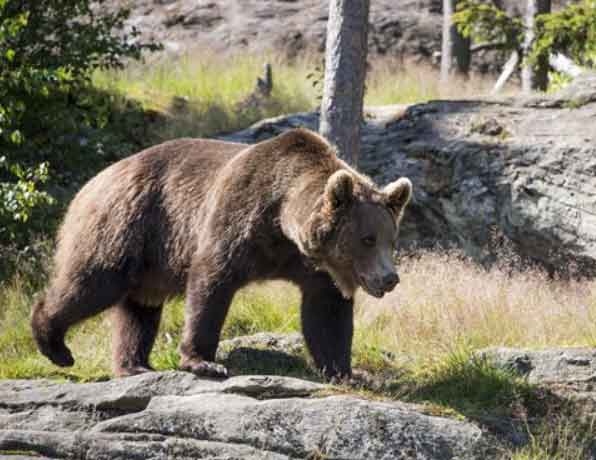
x: 49, y: 114
x: 570, y: 31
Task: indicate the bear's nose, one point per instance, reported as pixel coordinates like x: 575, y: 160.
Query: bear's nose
x: 390, y: 280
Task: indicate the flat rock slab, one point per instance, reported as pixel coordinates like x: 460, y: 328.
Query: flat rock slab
x: 177, y: 415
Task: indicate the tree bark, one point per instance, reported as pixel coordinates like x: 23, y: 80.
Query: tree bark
x: 455, y: 52
x: 534, y: 76
x: 345, y: 74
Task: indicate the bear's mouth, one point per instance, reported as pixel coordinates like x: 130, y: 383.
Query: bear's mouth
x: 375, y: 292
x: 378, y: 293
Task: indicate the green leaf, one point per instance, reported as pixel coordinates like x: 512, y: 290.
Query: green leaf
x: 16, y: 137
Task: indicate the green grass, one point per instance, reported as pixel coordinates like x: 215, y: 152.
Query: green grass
x: 418, y: 343
x: 201, y: 96
x: 429, y: 326
x: 564, y: 438
x: 254, y: 310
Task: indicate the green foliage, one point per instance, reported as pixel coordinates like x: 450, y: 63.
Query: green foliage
x: 557, y: 81
x: 564, y: 438
x: 485, y: 22
x: 570, y: 31
x: 21, y: 197
x: 48, y: 49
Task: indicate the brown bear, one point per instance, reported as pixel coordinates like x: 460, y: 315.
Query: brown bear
x: 206, y: 217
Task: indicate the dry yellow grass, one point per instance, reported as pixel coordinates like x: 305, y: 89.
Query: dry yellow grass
x: 393, y: 81
x: 445, y: 302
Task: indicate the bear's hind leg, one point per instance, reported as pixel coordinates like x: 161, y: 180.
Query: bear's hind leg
x: 49, y: 337
x: 68, y: 302
x: 135, y: 327
x: 327, y: 326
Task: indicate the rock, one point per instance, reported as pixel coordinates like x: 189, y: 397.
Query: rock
x: 268, y: 387
x: 266, y: 353
x: 407, y: 28
x: 575, y: 367
x: 252, y: 417
x: 290, y: 344
x: 568, y: 372
x: 523, y: 169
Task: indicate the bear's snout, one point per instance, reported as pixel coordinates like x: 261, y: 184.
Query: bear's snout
x: 389, y: 281
x: 380, y: 284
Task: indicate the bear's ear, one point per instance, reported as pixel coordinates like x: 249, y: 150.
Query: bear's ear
x: 398, y: 195
x: 339, y: 190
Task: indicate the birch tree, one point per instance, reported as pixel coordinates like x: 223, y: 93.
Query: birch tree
x: 534, y: 76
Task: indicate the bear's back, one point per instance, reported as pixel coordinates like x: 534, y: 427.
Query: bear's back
x: 139, y: 211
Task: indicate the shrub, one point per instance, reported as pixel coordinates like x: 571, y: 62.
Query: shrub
x: 48, y: 111
x: 570, y: 31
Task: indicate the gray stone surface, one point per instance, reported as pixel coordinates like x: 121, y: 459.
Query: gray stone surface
x: 265, y: 353
x: 575, y: 367
x: 176, y: 415
x: 405, y: 28
x: 521, y: 168
x: 568, y: 372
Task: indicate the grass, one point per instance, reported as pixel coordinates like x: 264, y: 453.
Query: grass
x: 392, y: 81
x: 418, y: 342
x: 444, y: 309
x: 563, y: 439
x: 202, y: 95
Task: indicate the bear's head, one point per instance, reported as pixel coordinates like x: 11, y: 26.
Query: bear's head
x: 353, y: 232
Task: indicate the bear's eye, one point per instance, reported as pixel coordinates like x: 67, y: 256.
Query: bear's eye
x: 369, y: 241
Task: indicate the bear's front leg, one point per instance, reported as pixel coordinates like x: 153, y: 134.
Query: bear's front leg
x: 327, y: 325
x: 208, y: 299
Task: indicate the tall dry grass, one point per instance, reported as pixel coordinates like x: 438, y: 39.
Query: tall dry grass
x: 394, y: 81
x: 445, y: 302
x: 444, y: 305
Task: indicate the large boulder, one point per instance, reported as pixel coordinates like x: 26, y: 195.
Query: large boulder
x: 518, y: 169
x: 176, y: 415
x: 567, y: 372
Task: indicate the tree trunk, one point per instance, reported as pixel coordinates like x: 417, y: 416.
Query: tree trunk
x: 455, y: 47
x: 345, y: 73
x: 508, y: 70
x: 534, y: 76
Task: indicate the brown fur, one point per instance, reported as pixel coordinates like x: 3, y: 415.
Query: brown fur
x: 206, y: 218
